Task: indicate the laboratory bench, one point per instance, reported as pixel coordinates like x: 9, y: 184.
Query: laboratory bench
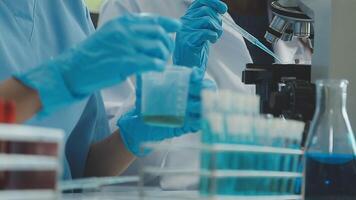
x: 130, y: 193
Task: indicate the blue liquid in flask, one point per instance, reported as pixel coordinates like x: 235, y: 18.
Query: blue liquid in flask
x: 330, y: 177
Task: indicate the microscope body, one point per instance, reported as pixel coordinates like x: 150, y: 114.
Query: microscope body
x: 330, y: 26
x: 285, y: 90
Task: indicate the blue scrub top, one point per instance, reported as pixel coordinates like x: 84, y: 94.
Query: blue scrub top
x: 34, y: 31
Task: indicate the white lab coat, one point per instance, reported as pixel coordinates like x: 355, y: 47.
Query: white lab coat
x: 293, y: 52
x: 226, y: 62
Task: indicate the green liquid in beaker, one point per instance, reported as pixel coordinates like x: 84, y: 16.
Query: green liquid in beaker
x: 164, y: 120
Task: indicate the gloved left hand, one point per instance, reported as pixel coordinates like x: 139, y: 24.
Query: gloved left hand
x: 127, y: 45
x: 134, y: 131
x: 202, y: 24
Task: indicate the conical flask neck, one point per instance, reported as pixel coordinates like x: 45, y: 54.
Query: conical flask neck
x: 331, y: 97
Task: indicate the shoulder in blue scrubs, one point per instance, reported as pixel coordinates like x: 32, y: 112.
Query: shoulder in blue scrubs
x: 34, y: 31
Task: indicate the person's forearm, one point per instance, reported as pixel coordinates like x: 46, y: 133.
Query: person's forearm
x: 26, y: 100
x: 108, y: 157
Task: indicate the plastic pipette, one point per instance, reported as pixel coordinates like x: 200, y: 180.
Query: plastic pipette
x: 250, y: 37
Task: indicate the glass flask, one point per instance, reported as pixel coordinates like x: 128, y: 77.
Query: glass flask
x: 329, y: 160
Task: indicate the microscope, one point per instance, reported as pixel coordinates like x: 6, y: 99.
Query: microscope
x: 288, y: 90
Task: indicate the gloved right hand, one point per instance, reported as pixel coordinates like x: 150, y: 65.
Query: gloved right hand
x: 202, y: 25
x: 124, y: 46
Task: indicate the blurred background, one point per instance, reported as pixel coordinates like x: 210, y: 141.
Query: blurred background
x: 94, y: 7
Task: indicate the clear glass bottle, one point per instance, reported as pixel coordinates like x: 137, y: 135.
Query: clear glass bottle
x: 330, y: 164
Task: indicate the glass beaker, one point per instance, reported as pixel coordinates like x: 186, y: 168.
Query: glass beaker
x: 164, y: 96
x: 329, y: 160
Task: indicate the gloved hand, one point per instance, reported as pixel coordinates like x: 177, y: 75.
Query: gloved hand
x: 134, y: 131
x: 202, y: 25
x: 124, y: 46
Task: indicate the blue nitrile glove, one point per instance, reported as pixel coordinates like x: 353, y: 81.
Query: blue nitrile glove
x: 202, y: 25
x: 134, y: 131
x: 124, y: 46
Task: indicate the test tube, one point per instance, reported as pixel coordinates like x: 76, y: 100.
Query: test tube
x: 210, y: 101
x: 212, y: 160
x: 234, y: 124
x: 251, y: 159
x: 291, y: 140
x: 225, y: 101
x: 296, y: 163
